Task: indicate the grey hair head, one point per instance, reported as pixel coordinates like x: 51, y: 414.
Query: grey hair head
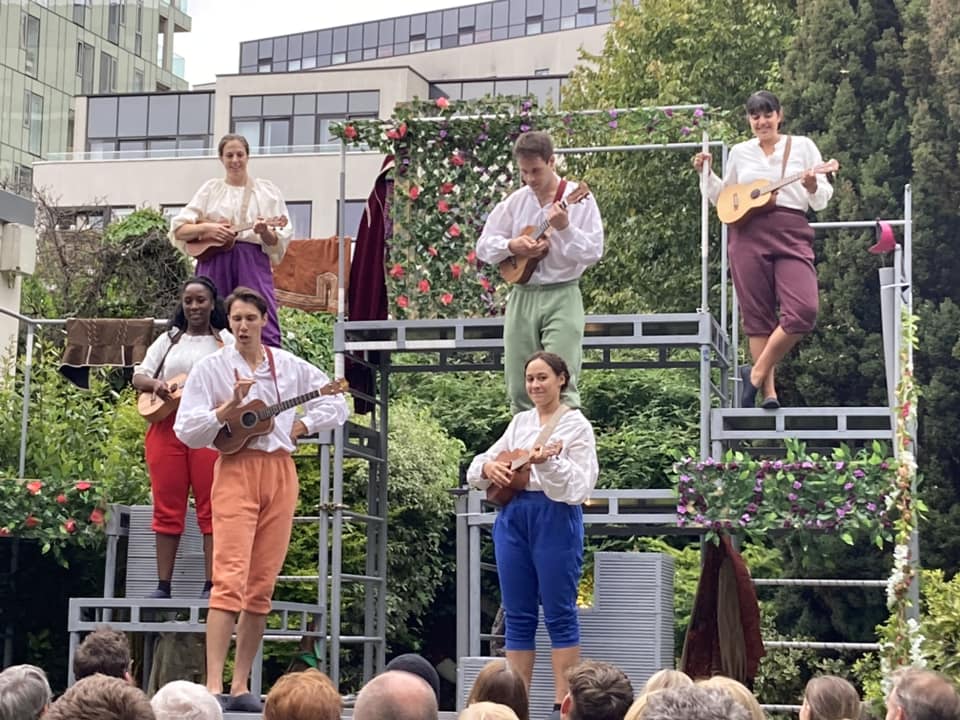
x: 692, y: 703
x: 24, y: 692
x: 183, y: 700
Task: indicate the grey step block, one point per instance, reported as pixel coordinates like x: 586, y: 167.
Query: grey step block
x: 189, y: 571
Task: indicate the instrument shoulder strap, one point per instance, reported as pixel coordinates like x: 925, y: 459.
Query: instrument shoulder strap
x: 174, y: 339
x: 786, y: 156
x: 551, y: 425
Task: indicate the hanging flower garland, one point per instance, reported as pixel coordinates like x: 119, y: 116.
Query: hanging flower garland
x: 902, y: 640
x: 453, y: 165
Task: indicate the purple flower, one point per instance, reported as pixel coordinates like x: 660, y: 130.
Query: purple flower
x: 681, y: 509
x: 792, y: 497
x: 733, y: 466
x: 567, y: 119
x: 839, y: 466
x: 526, y: 105
x: 698, y: 112
x: 859, y: 474
x: 872, y: 507
x: 841, y: 512
x: 668, y: 112
x: 884, y: 466
x: 797, y: 485
x: 778, y: 465
x: 681, y: 522
x: 848, y: 486
x: 787, y: 523
x: 752, y: 508
x: 443, y: 134
x: 406, y: 161
x: 709, y: 461
x: 700, y: 519
x: 684, y: 130
x: 684, y: 478
x: 612, y: 124
x: 613, y: 114
x: 482, y: 136
x: 806, y: 465
x: 524, y: 128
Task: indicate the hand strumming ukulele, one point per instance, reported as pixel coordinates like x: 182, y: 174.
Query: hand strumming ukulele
x: 153, y: 408
x: 255, y: 418
x: 738, y: 202
x: 518, y: 269
x: 205, y: 246
x: 520, y: 466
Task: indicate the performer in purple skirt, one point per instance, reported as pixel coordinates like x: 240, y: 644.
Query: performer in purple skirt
x: 218, y: 209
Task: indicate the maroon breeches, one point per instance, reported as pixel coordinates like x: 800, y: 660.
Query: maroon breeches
x: 771, y: 261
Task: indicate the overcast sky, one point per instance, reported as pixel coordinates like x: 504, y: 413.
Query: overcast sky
x: 212, y: 47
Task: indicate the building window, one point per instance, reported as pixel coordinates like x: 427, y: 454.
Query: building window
x: 302, y: 120
x: 138, y: 34
x: 23, y: 180
x: 85, y: 67
x: 113, y: 22
x: 157, y: 125
x: 138, y: 80
x: 33, y: 121
x: 108, y: 73
x: 171, y: 211
x: 30, y: 42
x: 352, y: 215
x: 301, y: 218
x: 80, y: 8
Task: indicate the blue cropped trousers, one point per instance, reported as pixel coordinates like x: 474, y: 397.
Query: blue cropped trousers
x: 538, y: 545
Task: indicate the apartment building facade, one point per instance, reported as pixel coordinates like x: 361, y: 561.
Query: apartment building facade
x: 51, y: 52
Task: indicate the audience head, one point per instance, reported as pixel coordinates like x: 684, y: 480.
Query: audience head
x: 487, y: 711
x: 24, y: 693
x: 693, y: 703
x: 598, y: 691
x: 740, y: 694
x: 497, y: 682
x: 666, y: 678
x: 396, y: 695
x: 307, y: 695
x: 635, y: 712
x: 419, y: 666
x: 182, y: 700
x: 105, y: 651
x: 100, y: 697
x: 829, y: 697
x: 922, y: 695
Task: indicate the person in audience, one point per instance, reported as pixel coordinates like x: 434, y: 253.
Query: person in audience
x: 695, y: 702
x: 221, y: 206
x: 740, y: 694
x: 418, y: 665
x: 635, y: 712
x: 487, y: 711
x: 307, y: 695
x: 105, y: 651
x: 100, y: 697
x: 396, y: 695
x: 197, y: 329
x: 829, y: 697
x: 182, y: 700
x: 598, y: 691
x: 24, y: 693
x: 922, y: 695
x: 538, y: 535
x: 666, y: 678
x: 499, y: 683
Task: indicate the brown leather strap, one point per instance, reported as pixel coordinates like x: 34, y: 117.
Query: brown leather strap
x: 560, y: 189
x: 173, y: 341
x: 273, y: 370
x: 786, y: 156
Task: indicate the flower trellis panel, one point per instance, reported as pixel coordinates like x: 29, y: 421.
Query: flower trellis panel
x: 453, y: 165
x: 843, y: 493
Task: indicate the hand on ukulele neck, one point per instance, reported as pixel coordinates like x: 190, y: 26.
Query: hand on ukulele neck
x: 542, y: 453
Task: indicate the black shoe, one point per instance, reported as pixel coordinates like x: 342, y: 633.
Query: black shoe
x: 248, y: 702
x: 748, y: 391
x: 223, y: 699
x: 159, y: 594
x: 770, y: 403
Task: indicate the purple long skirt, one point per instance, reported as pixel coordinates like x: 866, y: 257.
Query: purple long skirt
x: 246, y: 264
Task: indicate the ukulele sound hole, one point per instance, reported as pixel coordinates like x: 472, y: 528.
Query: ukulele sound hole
x: 248, y: 419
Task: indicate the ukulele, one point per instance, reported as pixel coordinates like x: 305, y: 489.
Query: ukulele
x: 206, y: 246
x: 738, y: 202
x: 519, y: 461
x: 255, y: 418
x: 518, y: 269
x: 153, y: 408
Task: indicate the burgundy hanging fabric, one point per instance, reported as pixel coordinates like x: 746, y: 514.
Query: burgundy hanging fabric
x: 367, y: 291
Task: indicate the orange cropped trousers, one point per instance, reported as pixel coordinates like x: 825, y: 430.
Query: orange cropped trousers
x: 253, y: 500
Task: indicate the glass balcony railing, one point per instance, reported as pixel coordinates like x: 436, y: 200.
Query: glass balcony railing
x: 197, y: 153
x: 179, y: 66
